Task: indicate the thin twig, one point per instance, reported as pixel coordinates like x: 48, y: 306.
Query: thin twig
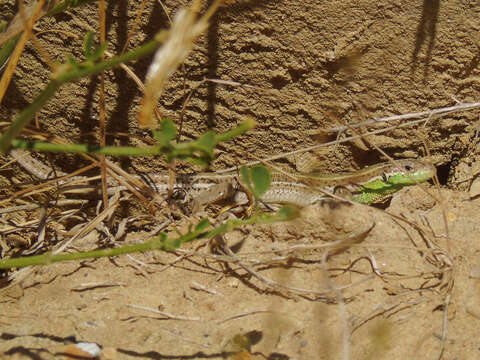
x: 428, y: 114
x: 277, y: 286
x: 444, y: 326
x: 318, y: 146
x: 167, y: 315
x: 238, y: 316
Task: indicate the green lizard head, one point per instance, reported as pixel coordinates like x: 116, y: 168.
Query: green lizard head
x: 395, y: 177
x: 409, y: 172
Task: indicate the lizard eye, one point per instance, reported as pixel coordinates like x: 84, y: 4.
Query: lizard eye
x: 408, y: 167
x: 179, y: 194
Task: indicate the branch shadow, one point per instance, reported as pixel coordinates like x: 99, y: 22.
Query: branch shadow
x: 427, y: 27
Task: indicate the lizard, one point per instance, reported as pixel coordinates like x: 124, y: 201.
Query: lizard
x: 369, y: 185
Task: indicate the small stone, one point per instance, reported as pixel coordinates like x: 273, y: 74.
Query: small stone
x: 82, y: 350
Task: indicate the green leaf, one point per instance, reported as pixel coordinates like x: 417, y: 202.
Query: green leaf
x: 88, y: 44
x: 71, y: 60
x: 246, y: 125
x: 91, y: 53
x: 257, y: 179
x: 62, y: 6
x: 97, y: 54
x: 195, y: 161
x: 167, y: 132
x: 261, y: 179
x: 7, y: 49
x: 207, y: 141
x: 172, y: 244
x: 245, y: 173
x: 202, y: 225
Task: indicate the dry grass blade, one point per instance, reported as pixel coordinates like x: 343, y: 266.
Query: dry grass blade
x: 181, y: 37
x: 426, y: 115
x: 33, y: 166
x: 105, y: 214
x: 167, y: 315
x: 59, y: 203
x: 101, y: 106
x: 28, y: 17
x: 18, y: 24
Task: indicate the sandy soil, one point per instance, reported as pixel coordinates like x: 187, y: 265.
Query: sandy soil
x: 406, y: 286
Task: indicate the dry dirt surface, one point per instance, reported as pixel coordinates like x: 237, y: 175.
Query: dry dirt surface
x: 343, y: 280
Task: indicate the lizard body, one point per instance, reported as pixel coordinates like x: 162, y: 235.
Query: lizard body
x: 368, y: 185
